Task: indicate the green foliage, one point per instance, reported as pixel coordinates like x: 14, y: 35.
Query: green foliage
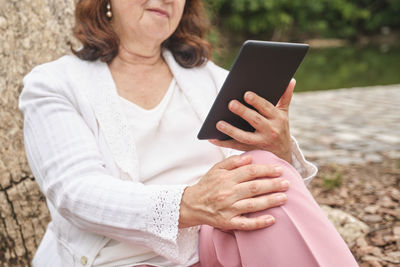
x: 350, y: 66
x: 323, y: 18
x: 339, y: 67
x: 332, y: 181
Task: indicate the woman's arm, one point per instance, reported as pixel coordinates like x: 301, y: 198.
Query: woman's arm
x: 66, y: 161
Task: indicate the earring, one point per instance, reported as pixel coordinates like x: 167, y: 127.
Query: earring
x: 109, y: 13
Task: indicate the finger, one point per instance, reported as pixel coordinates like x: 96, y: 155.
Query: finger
x: 247, y: 224
x: 260, y: 203
x: 263, y: 106
x: 255, y: 119
x: 236, y: 133
x: 262, y: 186
x: 286, y: 98
x: 252, y: 171
x: 233, y: 162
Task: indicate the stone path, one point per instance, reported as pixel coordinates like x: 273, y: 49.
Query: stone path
x: 345, y: 126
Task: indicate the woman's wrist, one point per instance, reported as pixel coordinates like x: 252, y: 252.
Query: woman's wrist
x: 288, y: 155
x: 186, y: 215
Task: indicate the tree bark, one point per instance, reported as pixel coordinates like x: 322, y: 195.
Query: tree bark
x: 31, y: 32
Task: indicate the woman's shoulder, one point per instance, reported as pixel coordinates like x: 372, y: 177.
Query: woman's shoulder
x: 65, y: 77
x: 61, y: 67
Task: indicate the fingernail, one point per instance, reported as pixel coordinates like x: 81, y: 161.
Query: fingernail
x: 269, y: 219
x: 221, y: 125
x: 233, y: 105
x: 278, y: 169
x: 249, y: 95
x: 285, y: 184
x: 281, y: 198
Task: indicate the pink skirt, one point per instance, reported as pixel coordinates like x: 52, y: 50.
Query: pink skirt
x: 301, y: 236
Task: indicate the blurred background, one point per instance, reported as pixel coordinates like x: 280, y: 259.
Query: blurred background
x: 345, y: 112
x: 354, y: 43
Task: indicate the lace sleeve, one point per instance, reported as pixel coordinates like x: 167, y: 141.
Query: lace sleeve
x: 162, y: 220
x: 306, y: 169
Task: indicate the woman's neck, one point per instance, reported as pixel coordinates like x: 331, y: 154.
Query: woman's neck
x: 141, y: 76
x: 138, y: 55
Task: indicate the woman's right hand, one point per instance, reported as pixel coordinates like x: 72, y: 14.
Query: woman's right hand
x: 231, y: 189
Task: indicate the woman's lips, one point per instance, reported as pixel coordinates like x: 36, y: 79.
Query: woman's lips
x: 159, y: 12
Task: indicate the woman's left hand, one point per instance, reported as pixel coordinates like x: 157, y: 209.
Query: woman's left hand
x: 271, y: 124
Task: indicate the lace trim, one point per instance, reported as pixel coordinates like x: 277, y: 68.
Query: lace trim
x: 113, y: 123
x: 178, y: 245
x: 306, y: 169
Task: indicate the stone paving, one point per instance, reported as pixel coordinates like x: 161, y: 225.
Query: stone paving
x: 345, y: 126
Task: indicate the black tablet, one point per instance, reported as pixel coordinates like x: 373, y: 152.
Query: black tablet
x: 265, y: 68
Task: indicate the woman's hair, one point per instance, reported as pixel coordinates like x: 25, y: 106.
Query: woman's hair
x: 93, y: 29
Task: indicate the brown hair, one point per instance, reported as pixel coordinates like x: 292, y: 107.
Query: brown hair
x: 93, y: 29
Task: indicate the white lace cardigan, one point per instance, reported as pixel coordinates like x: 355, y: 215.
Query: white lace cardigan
x: 80, y: 150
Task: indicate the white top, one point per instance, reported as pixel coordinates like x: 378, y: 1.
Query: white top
x: 81, y: 150
x: 165, y: 136
x: 168, y: 153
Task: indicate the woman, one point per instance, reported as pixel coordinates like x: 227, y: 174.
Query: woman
x: 110, y: 137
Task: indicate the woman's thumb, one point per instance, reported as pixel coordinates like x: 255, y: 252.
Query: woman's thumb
x: 284, y: 102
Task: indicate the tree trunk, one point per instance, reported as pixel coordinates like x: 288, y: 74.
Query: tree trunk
x: 31, y: 32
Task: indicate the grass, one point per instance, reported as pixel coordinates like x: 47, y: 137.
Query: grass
x: 332, y: 181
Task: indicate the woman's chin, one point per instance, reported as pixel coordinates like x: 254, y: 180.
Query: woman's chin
x: 157, y: 28
x: 156, y: 34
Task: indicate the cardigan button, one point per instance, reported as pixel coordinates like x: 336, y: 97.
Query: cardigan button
x: 84, y: 260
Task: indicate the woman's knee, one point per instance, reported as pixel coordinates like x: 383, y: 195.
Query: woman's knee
x: 298, y: 196
x: 266, y: 157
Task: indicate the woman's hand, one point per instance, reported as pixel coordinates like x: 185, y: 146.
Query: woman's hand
x: 231, y: 189
x: 271, y: 125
